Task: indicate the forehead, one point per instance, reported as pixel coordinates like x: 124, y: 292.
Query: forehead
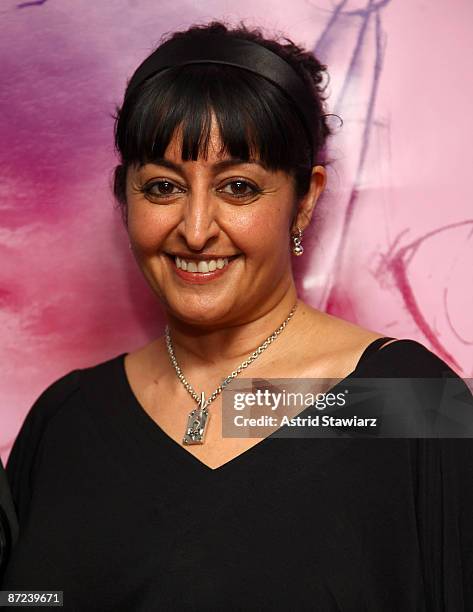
x: 212, y: 151
x: 213, y: 158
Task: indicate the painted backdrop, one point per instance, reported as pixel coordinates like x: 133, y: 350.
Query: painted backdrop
x: 390, y: 247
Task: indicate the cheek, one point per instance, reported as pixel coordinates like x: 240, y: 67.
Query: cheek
x: 147, y: 225
x: 262, y: 231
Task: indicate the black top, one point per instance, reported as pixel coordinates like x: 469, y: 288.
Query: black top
x: 121, y: 518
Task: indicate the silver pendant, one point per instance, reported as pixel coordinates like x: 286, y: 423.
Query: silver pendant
x: 197, y: 423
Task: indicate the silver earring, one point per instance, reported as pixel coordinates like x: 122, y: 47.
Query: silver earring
x: 129, y: 245
x: 297, y: 248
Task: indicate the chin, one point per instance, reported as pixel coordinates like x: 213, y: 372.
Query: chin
x: 202, y: 315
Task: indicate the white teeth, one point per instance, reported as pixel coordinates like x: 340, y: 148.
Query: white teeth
x: 201, y: 266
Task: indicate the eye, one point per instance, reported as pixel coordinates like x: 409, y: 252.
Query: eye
x: 239, y: 188
x: 161, y: 189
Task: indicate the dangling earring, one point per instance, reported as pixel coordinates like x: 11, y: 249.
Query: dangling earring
x: 297, y: 248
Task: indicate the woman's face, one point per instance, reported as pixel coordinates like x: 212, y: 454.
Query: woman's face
x: 211, y: 210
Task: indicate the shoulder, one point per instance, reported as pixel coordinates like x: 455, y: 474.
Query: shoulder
x: 343, y: 342
x: 415, y: 381
x: 60, y: 402
x: 54, y: 400
x: 24, y: 453
x: 50, y: 402
x: 404, y: 357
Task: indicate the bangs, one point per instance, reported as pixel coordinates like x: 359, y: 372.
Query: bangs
x: 256, y: 120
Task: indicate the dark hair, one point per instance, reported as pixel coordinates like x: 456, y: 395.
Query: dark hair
x: 255, y: 117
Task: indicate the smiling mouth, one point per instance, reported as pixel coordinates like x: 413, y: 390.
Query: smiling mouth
x: 201, y: 266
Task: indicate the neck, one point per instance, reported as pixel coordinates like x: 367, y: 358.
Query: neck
x: 233, y: 342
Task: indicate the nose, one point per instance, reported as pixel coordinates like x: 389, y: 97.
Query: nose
x: 199, y: 223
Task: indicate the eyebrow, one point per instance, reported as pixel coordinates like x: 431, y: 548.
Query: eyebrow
x: 217, y: 167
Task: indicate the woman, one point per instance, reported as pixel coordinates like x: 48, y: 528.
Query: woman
x: 128, y: 502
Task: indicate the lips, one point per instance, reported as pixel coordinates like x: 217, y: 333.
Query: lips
x: 200, y: 278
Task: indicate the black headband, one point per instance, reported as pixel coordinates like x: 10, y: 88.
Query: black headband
x: 218, y: 49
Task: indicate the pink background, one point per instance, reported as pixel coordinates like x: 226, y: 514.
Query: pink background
x: 390, y: 247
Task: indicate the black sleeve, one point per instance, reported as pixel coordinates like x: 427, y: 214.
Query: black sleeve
x: 407, y: 358
x: 443, y: 481
x: 26, y: 448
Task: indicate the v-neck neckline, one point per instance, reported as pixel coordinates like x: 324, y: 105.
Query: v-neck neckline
x: 159, y: 435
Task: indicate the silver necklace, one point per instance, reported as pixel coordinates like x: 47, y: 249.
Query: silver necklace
x: 198, y: 418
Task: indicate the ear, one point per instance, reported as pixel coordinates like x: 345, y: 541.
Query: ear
x: 307, y: 203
